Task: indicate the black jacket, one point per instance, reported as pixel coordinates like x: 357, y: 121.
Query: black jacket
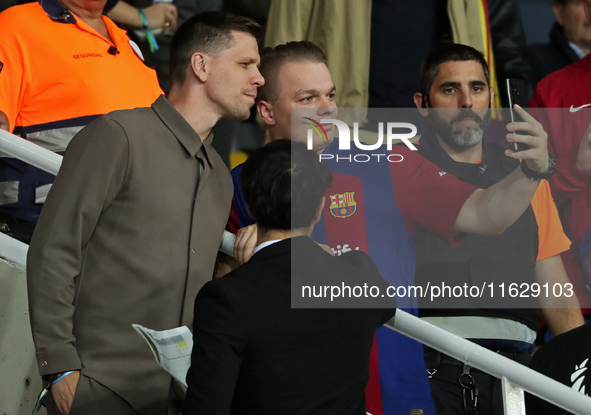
x: 545, y: 59
x: 508, y: 40
x: 508, y: 258
x: 567, y: 359
x: 255, y: 354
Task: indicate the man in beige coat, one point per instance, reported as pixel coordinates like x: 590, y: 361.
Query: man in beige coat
x: 130, y: 230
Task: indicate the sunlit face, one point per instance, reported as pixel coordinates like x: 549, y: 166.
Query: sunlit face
x: 459, y: 103
x: 571, y: 16
x: 234, y: 77
x: 308, y: 87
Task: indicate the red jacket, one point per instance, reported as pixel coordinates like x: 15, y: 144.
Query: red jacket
x: 567, y: 96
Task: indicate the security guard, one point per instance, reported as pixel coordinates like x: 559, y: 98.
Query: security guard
x: 62, y: 65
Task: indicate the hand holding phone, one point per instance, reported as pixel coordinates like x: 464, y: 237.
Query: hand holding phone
x: 516, y: 94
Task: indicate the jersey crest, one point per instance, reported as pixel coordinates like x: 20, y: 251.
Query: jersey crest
x: 343, y: 205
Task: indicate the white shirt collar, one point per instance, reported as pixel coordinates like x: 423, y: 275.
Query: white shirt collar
x: 577, y: 50
x: 266, y: 244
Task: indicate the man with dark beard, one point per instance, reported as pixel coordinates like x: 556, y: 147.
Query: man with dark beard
x: 456, y: 99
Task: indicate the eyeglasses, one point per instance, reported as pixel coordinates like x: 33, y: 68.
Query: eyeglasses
x: 46, y: 389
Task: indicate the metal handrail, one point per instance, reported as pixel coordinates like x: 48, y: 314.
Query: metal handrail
x: 31, y: 153
x: 407, y: 324
x: 13, y: 250
x: 50, y: 162
x: 490, y: 362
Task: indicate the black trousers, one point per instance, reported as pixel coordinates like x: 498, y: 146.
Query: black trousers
x: 458, y: 389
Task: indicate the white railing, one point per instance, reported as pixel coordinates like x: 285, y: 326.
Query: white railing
x: 50, y: 162
x: 31, y: 153
x: 516, y: 377
x: 492, y: 363
x: 13, y: 250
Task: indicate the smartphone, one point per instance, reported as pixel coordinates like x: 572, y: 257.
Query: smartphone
x: 516, y: 94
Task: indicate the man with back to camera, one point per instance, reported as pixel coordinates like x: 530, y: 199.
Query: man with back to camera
x: 133, y: 223
x: 396, y: 385
x: 569, y: 140
x: 456, y: 98
x: 255, y: 354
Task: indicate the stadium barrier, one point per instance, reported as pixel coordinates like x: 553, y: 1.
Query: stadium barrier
x: 515, y: 377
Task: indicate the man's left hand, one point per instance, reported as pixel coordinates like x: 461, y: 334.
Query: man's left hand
x: 536, y: 156
x: 246, y: 242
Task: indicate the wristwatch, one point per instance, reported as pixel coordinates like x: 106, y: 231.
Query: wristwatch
x: 539, y: 175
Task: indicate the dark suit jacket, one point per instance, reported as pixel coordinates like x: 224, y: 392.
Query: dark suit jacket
x: 254, y: 354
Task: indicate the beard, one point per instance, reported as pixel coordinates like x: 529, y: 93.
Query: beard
x: 459, y: 139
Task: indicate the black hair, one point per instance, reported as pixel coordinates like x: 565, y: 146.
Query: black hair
x: 453, y: 52
x: 283, y: 184
x: 210, y: 33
